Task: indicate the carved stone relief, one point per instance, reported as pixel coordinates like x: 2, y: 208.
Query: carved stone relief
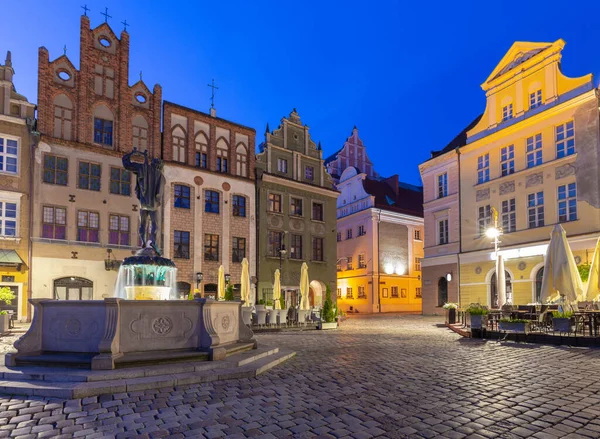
x: 507, y: 187
x: 275, y: 221
x: 483, y: 194
x: 564, y: 171
x: 534, y: 179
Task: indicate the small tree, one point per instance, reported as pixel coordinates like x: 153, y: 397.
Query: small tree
x: 229, y: 292
x: 328, y: 312
x: 6, y: 295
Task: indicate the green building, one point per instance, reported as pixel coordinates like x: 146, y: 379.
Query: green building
x: 296, y: 209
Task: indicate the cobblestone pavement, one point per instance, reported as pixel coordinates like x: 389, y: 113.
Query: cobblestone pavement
x: 385, y: 376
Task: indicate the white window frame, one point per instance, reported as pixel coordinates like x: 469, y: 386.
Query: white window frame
x: 534, y: 150
x: 442, y: 185
x: 535, y: 99
x: 5, y: 155
x: 484, y: 221
x: 13, y: 198
x: 282, y: 165
x: 507, y: 112
x: 439, y: 231
x: 418, y: 263
x: 507, y: 160
x: 535, y: 209
x: 483, y: 168
x: 509, y: 215
x: 563, y: 143
x: 566, y: 202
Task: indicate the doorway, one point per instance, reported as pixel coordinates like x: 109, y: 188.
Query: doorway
x: 494, y: 290
x: 73, y: 288
x: 442, y: 291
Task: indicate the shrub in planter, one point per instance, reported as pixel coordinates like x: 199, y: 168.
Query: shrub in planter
x: 327, y: 313
x: 450, y: 312
x: 229, y: 292
x: 479, y: 316
x: 562, y: 321
x: 514, y: 325
x: 4, y: 318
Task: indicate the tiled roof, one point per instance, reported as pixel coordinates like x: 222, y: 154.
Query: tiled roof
x: 408, y: 199
x: 459, y: 140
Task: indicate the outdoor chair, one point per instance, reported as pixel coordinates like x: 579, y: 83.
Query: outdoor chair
x: 543, y: 322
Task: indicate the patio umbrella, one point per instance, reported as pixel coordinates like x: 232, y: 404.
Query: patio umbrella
x: 560, y: 270
x: 245, y: 283
x: 277, y: 290
x: 221, y: 284
x: 304, y: 286
x: 593, y: 287
x: 500, y: 281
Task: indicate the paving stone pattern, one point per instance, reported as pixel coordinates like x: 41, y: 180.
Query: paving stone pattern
x: 382, y: 376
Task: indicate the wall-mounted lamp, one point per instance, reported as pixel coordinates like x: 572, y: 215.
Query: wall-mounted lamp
x: 449, y: 277
x: 199, y: 277
x: 227, y: 278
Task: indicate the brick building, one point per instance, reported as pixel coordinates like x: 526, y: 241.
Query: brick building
x: 209, y: 208
x: 16, y: 141
x: 84, y: 209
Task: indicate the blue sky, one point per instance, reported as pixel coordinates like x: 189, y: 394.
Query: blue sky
x: 406, y: 74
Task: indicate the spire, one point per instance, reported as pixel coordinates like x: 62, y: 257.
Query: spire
x: 319, y: 146
x: 267, y: 130
x: 354, y: 128
x: 8, y: 62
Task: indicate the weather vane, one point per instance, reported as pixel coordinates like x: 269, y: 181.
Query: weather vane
x: 212, y: 98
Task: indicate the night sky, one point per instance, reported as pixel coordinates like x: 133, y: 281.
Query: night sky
x: 407, y: 74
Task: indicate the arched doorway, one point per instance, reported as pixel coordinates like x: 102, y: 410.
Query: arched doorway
x: 538, y: 285
x: 73, y: 288
x: 183, y: 290
x: 316, y: 294
x: 494, y: 290
x: 442, y: 291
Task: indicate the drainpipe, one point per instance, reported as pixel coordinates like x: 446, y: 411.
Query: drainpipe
x: 35, y: 139
x: 378, y: 264
x: 459, y: 227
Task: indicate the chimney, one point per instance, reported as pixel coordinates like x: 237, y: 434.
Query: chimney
x: 392, y: 182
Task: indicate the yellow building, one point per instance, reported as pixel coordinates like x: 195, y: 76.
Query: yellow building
x: 534, y: 157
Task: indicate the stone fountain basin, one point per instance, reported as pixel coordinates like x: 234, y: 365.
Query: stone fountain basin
x: 115, y: 332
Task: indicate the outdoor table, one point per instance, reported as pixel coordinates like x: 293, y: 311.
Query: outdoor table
x: 593, y: 317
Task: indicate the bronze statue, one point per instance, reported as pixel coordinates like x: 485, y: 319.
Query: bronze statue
x: 149, y: 190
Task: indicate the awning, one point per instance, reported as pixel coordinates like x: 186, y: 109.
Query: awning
x: 10, y: 258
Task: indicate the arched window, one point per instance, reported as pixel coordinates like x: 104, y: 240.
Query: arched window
x: 442, y: 291
x: 140, y: 133
x: 539, y: 276
x: 494, y: 290
x: 103, y: 126
x: 201, y: 150
x: 222, y: 153
x: 73, y: 288
x: 63, y: 117
x: 241, y: 160
x: 178, y: 135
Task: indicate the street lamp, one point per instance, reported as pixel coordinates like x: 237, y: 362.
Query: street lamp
x: 493, y: 233
x: 227, y: 278
x: 198, y: 279
x: 282, y: 252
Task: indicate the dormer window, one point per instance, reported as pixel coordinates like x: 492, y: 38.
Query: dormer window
x: 507, y: 112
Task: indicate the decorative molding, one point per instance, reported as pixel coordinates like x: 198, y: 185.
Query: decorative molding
x: 507, y: 187
x: 522, y: 265
x: 483, y: 194
x: 534, y: 179
x: 564, y: 171
x: 478, y: 270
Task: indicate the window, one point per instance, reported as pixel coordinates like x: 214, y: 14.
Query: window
x: 417, y: 235
x: 483, y: 168
x: 296, y: 207
x: 63, y: 115
x: 417, y: 264
x: 443, y: 232
x: 339, y: 236
x: 361, y: 231
x: 9, y: 155
x: 395, y: 292
x: 509, y: 216
x: 317, y: 249
x: 317, y: 212
x: 349, y: 234
x: 211, y: 247
x: 484, y: 219
x: 182, y: 196
x: 275, y: 203
x: 309, y: 173
x: 338, y: 266
x: 296, y: 247
x: 567, y: 202
x: 56, y: 170
x: 201, y: 150
x: 361, y: 293
x: 238, y: 252
x: 443, y: 185
x: 103, y: 131
x: 120, y: 181
x: 181, y: 244
x: 118, y: 226
x: 274, y: 244
x: 239, y: 205
x: 222, y: 155
x: 211, y: 202
x: 565, y: 140
x: 339, y: 293
x: 349, y: 263
x: 349, y: 293
x: 507, y: 112
x: 140, y: 133
x: 418, y: 293
x: 241, y: 160
x: 534, y: 150
x: 361, y: 261
x: 104, y: 76
x: 507, y: 160
x: 89, y: 176
x: 221, y: 164
x: 8, y: 219
x: 201, y: 160
x: 535, y: 99
x: 54, y: 222
x: 535, y: 209
x: 178, y: 139
x: 282, y: 166
x: 88, y: 226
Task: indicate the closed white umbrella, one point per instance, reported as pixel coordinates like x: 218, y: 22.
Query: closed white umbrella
x: 593, y: 287
x: 304, y: 287
x: 277, y: 290
x: 560, y: 270
x: 501, y: 281
x: 245, y: 283
x: 221, y: 284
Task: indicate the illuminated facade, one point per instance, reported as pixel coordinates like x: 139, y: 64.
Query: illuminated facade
x: 534, y: 157
x: 379, y: 244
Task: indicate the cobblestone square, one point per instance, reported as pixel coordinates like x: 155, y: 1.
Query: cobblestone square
x: 380, y: 376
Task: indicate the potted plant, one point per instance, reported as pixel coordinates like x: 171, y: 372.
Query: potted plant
x: 229, y: 293
x: 6, y: 296
x: 479, y: 316
x: 328, y: 313
x: 4, y: 318
x: 260, y: 306
x: 513, y: 325
x: 269, y: 304
x: 450, y: 312
x: 562, y: 321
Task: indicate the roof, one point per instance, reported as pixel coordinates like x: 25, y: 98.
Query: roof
x: 10, y: 258
x: 459, y: 140
x: 333, y: 156
x: 183, y: 107
x: 407, y: 200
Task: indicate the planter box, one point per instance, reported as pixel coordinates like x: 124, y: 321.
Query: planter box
x: 513, y: 327
x: 323, y: 325
x: 562, y: 325
x: 479, y: 322
x: 259, y: 307
x: 451, y: 316
x: 4, y: 318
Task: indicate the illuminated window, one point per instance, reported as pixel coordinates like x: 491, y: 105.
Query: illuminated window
x: 361, y: 261
x: 535, y: 99
x: 509, y: 216
x: 483, y: 168
x: 484, y: 219
x: 54, y: 222
x: 361, y: 293
x: 535, y: 209
x: 567, y: 202
x: 88, y: 226
x: 181, y: 244
x: 507, y: 160
x: 349, y: 293
x: 395, y: 292
x: 534, y: 150
x: 565, y: 140
x: 443, y: 232
x: 282, y: 166
x: 507, y: 112
x: 296, y: 206
x: 118, y: 230
x: 275, y: 203
x: 349, y: 263
x: 443, y: 185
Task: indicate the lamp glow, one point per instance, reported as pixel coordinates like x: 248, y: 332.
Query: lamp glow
x: 400, y: 269
x: 449, y: 277
x: 492, y: 232
x: 388, y: 268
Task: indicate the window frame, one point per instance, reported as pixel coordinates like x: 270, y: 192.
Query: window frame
x: 535, y: 210
x: 54, y: 222
x: 56, y: 172
x: 182, y: 188
x: 507, y: 160
x: 296, y: 206
x: 509, y: 215
x: 318, y: 254
x: 97, y: 178
x: 320, y: 210
x: 209, y: 201
x: 565, y: 147
x: 5, y: 157
x: 483, y: 168
x: 534, y: 150
x: 119, y: 231
x: 282, y: 163
x: 535, y: 99
x: 87, y: 228
x: 569, y: 200
x: 310, y: 176
x: 275, y: 240
x: 104, y: 132
x: 296, y: 247
x: 443, y: 233
x: 211, y: 246
x: 4, y: 202
x: 507, y: 112
x: 238, y: 209
x: 442, y: 185
x: 484, y: 219
x: 181, y: 238
x: 361, y: 261
x: 236, y: 248
x: 120, y: 182
x: 277, y: 201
